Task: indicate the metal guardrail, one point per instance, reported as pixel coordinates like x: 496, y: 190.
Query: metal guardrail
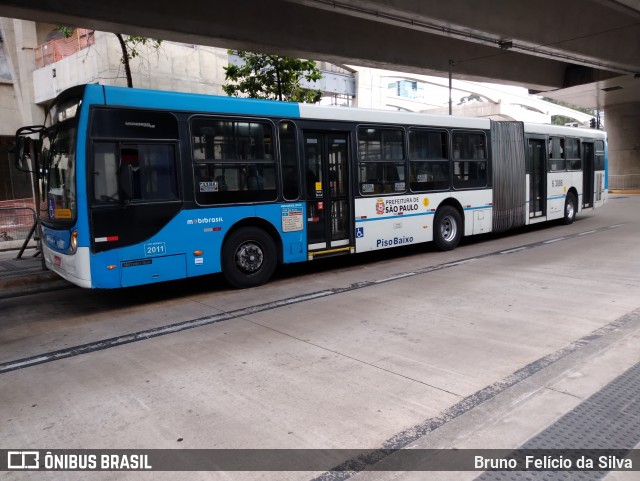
x: 16, y: 224
x: 624, y: 181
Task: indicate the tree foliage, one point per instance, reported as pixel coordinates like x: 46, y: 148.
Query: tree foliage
x: 272, y: 77
x: 470, y: 98
x: 130, y: 46
x: 66, y: 32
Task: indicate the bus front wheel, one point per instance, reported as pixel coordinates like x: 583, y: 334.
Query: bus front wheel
x: 447, y: 228
x: 248, y: 257
x: 570, y: 208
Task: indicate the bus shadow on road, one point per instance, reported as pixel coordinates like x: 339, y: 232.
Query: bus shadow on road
x: 215, y: 284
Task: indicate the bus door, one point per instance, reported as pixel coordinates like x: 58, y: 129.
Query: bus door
x: 327, y: 188
x: 587, y: 174
x: 537, y: 170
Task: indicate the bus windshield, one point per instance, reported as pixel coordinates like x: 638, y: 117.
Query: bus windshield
x: 58, y: 174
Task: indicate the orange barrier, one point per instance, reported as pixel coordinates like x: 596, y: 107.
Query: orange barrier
x: 56, y: 50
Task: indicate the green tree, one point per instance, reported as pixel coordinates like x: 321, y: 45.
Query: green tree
x: 273, y: 77
x: 129, y: 46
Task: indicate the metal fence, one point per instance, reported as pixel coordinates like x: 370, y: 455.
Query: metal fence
x: 17, y: 227
x: 624, y: 182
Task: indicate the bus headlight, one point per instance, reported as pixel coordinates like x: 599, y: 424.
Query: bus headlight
x: 73, y: 242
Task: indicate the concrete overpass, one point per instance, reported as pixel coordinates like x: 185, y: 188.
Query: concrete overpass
x: 496, y: 104
x: 586, y: 52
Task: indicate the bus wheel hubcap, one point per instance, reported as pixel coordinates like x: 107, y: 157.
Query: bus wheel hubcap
x: 249, y: 257
x: 448, y: 228
x: 569, y: 210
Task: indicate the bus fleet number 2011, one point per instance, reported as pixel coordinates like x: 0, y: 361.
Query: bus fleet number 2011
x: 155, y: 249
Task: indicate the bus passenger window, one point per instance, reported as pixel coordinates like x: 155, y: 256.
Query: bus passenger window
x: 599, y: 157
x: 429, y: 160
x: 105, y: 173
x: 135, y: 172
x: 556, y: 154
x: 572, y: 151
x: 238, y: 155
x: 204, y: 180
x: 289, y: 159
x: 152, y: 171
x: 469, y: 160
x: 381, y: 161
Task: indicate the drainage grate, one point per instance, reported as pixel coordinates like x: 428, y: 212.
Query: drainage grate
x: 609, y: 419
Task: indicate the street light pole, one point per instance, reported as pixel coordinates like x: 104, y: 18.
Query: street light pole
x: 451, y: 64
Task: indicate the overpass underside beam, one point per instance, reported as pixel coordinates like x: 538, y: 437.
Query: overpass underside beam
x: 301, y: 30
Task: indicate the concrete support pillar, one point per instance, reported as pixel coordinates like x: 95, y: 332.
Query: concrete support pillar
x: 17, y: 106
x: 623, y: 130
x: 20, y: 41
x: 370, y: 91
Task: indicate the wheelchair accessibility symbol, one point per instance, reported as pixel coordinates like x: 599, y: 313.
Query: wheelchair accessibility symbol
x: 359, y: 232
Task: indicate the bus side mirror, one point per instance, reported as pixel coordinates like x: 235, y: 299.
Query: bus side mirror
x: 24, y: 152
x: 27, y: 148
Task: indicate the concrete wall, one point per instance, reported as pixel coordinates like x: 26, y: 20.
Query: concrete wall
x: 495, y: 111
x: 180, y: 67
x: 17, y: 106
x: 175, y: 67
x: 9, y: 111
x: 371, y: 89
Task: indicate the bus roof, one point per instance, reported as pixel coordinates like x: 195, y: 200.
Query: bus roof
x: 165, y: 100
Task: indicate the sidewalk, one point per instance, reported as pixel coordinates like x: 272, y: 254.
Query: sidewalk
x: 24, y: 276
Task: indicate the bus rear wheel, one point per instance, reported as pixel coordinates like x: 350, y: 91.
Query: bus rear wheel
x: 249, y: 257
x: 570, y: 208
x: 447, y: 228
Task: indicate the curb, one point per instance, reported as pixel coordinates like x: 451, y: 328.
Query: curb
x: 624, y: 191
x: 25, y: 284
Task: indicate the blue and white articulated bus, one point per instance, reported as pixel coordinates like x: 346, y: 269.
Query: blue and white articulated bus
x: 144, y: 186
